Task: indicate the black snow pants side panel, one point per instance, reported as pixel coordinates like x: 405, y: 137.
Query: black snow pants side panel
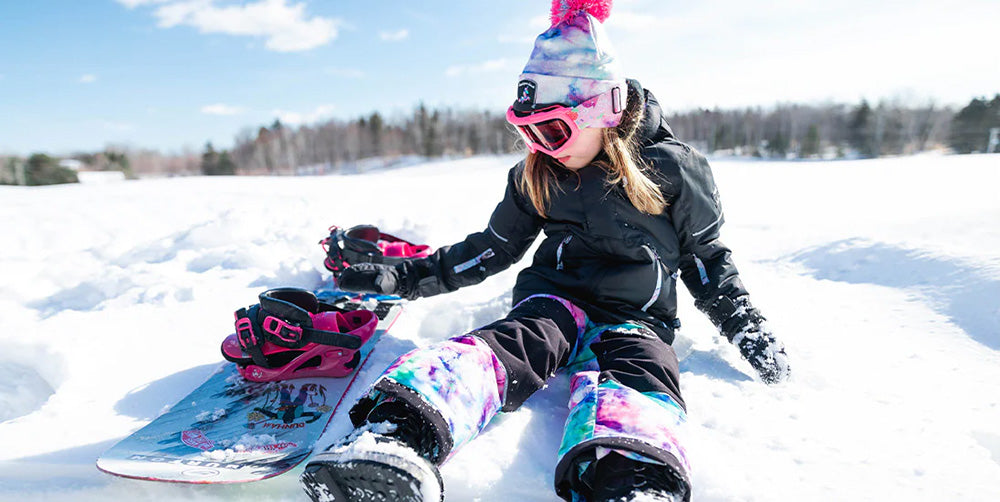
x: 533, y: 341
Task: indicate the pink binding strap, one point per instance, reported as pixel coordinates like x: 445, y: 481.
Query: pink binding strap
x: 282, y: 330
x: 244, y: 332
x: 333, y: 361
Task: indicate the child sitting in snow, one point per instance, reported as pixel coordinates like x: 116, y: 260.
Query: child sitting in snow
x: 626, y: 209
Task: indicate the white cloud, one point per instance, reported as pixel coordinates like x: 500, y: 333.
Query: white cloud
x: 484, y: 67
x: 525, y: 33
x: 298, y: 118
x: 221, y: 109
x: 136, y: 3
x: 345, y: 72
x: 730, y: 53
x: 285, y: 26
x: 88, y: 78
x: 634, y: 21
x: 394, y: 36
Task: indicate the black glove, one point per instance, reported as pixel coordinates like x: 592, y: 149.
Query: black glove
x: 371, y: 278
x: 746, y: 328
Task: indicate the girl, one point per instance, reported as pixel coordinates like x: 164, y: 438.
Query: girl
x: 626, y: 208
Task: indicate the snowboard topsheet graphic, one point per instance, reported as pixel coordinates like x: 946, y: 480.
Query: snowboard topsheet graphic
x: 231, y: 430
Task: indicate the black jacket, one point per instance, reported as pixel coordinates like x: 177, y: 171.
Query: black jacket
x: 615, y: 262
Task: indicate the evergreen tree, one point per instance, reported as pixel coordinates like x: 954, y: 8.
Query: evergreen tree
x: 209, y: 160
x: 860, y: 130
x: 423, y: 129
x: 435, y: 147
x: 118, y: 161
x: 810, y: 145
x: 225, y: 166
x: 778, y: 145
x: 722, y: 139
x: 970, y: 128
x: 9, y: 174
x: 44, y: 170
x: 376, y: 127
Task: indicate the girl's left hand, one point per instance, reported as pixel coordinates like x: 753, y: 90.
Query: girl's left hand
x: 369, y: 278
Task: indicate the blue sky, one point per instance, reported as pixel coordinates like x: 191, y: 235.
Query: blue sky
x: 169, y: 74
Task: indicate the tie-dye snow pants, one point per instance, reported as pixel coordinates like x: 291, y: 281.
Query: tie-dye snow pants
x: 625, y: 396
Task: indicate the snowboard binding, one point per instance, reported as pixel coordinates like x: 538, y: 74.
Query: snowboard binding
x: 366, y: 244
x: 291, y: 334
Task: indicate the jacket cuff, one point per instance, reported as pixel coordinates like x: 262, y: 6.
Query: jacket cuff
x: 732, y: 316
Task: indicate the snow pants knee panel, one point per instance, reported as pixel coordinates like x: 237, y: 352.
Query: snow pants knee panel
x: 456, y: 385
x: 606, y: 414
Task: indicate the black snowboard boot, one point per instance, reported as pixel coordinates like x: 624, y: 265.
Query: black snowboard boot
x: 618, y: 478
x: 386, y: 459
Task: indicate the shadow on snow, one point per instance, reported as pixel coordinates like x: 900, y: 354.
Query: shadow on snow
x: 966, y: 294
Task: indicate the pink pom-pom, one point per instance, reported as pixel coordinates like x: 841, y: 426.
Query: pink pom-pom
x: 566, y: 9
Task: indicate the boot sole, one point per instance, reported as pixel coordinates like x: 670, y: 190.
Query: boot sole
x: 364, y: 481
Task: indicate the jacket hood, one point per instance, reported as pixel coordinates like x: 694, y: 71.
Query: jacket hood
x: 654, y: 127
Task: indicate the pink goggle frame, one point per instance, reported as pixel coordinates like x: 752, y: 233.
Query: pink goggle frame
x: 552, y: 130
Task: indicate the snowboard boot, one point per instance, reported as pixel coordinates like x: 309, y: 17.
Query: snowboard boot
x: 386, y: 459
x: 618, y: 478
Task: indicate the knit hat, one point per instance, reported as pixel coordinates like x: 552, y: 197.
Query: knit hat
x: 572, y: 61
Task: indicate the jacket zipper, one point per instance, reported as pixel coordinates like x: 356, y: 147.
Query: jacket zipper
x: 659, y: 276
x: 559, y: 263
x: 485, y: 255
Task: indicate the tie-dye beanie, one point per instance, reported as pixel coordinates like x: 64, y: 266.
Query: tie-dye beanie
x: 572, y: 61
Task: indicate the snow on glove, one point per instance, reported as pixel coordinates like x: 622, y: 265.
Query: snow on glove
x: 372, y: 278
x: 765, y: 353
x: 746, y: 328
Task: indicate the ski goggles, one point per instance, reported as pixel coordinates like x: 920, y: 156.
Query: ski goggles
x: 552, y: 130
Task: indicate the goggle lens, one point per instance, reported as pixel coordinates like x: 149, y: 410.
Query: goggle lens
x: 551, y: 134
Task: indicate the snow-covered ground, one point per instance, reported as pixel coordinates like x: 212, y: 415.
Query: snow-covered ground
x: 882, y: 277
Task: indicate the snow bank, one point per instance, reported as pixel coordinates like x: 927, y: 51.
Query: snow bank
x: 97, y: 177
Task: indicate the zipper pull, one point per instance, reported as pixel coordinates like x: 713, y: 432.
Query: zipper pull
x: 559, y: 263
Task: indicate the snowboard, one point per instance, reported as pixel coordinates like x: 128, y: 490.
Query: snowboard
x: 232, y: 430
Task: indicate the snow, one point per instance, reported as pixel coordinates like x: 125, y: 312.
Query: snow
x: 211, y: 416
x: 246, y: 447
x: 882, y: 278
x: 95, y: 177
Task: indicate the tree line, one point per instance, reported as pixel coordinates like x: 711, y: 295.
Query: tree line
x: 786, y: 131
x: 343, y: 146
x: 839, y: 131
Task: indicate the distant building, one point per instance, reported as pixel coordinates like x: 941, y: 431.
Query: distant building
x: 73, y: 164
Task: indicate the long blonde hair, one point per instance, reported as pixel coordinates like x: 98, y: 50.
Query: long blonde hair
x: 624, y: 165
